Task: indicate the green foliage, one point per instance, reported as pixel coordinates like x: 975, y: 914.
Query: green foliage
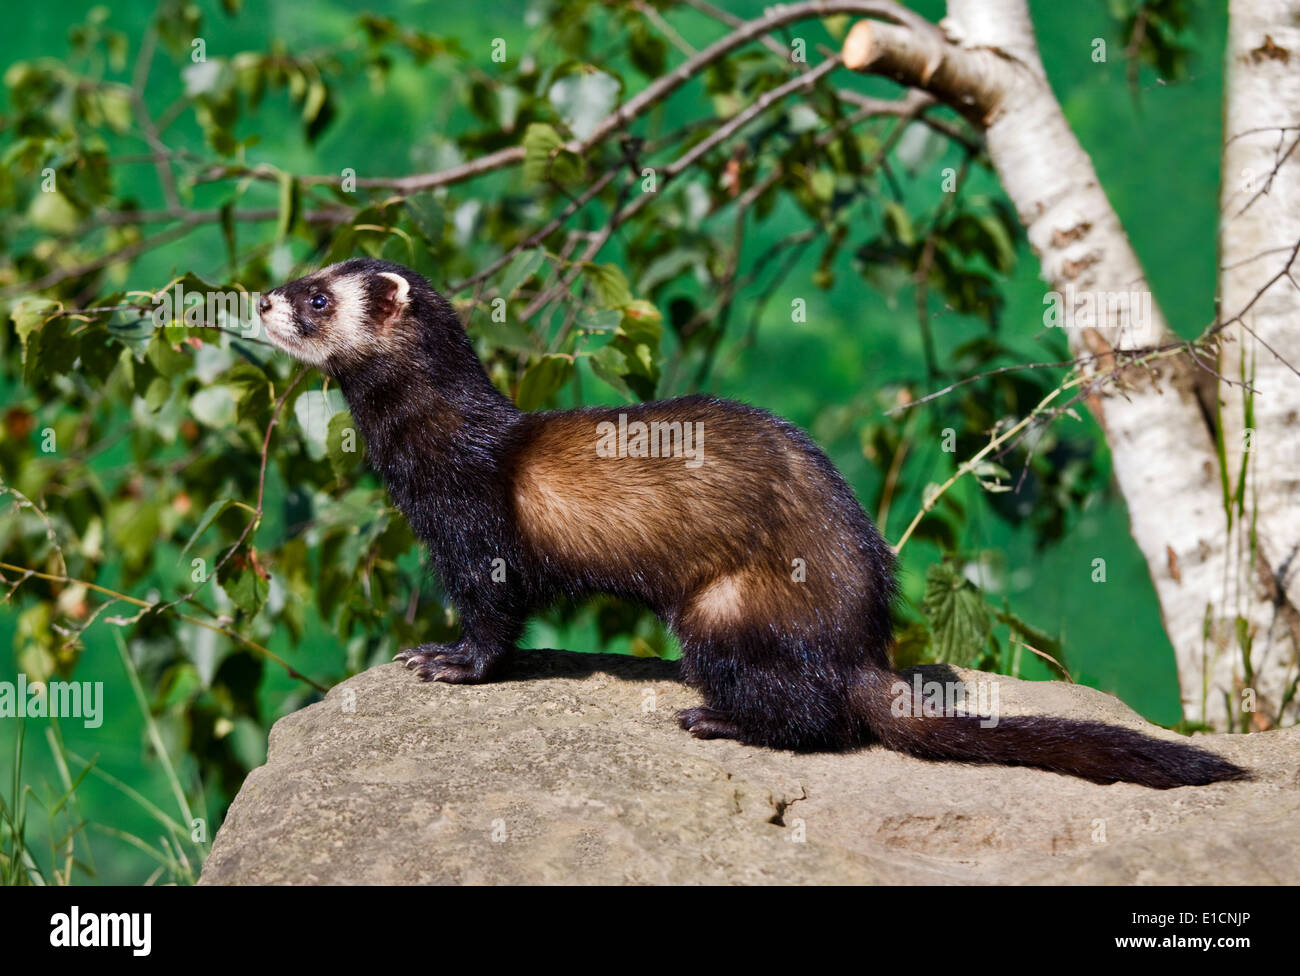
x: 583, y: 99
x: 1156, y: 33
x: 955, y: 612
x: 959, y: 626
x: 69, y: 858
x: 545, y: 158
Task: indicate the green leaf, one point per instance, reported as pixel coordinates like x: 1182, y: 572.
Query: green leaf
x: 645, y: 360
x: 210, y: 515
x: 611, y: 365
x: 642, y: 323
x: 214, y: 407
x: 157, y: 393
x: 251, y: 390
x: 314, y: 100
x: 647, y: 50
x: 540, y: 142
x: 899, y: 223
x: 166, y: 358
x: 256, y: 354
x: 313, y: 411
x: 30, y: 314
x: 609, y: 284
x: 920, y: 147
x: 521, y: 267
x: 202, y: 77
x: 53, y: 212
x: 342, y: 444
x: 98, y: 353
x: 669, y: 266
x: 958, y: 617
x: 542, y: 379
x: 288, y: 206
x: 509, y: 335
x: 584, y: 99
x: 246, y: 589
x: 604, y: 320
x: 823, y: 185
x: 1003, y: 256
x: 116, y: 106
x: 545, y: 158
x: 428, y: 215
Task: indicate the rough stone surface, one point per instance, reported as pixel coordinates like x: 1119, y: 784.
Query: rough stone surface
x: 572, y: 770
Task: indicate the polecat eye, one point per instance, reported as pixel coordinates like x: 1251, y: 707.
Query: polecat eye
x: 319, y: 302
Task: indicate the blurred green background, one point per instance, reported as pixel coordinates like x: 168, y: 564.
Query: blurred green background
x: 1157, y: 155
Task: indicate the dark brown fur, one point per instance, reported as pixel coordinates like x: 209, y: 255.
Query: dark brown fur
x: 760, y: 559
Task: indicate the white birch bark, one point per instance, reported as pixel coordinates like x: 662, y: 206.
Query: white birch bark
x: 1259, y: 233
x: 1163, y: 451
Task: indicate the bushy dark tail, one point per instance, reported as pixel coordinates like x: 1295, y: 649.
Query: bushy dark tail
x: 1091, y: 750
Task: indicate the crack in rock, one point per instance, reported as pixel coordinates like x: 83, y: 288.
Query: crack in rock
x: 784, y: 804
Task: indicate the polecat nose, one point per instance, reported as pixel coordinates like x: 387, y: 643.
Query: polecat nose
x: 263, y: 305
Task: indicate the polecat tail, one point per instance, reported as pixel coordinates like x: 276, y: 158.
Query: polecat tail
x: 1091, y: 750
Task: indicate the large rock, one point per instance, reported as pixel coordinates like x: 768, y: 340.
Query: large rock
x: 573, y: 770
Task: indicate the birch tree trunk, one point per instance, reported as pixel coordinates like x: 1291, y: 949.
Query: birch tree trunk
x: 1259, y: 296
x: 987, y: 65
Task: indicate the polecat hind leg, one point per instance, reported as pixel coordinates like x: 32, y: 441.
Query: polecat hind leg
x: 461, y: 663
x: 765, y: 689
x: 708, y: 723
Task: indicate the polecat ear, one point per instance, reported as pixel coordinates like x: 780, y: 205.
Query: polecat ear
x: 391, y: 296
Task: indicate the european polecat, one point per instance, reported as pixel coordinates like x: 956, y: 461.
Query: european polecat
x: 745, y: 540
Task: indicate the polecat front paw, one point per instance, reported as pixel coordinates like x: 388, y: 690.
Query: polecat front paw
x: 413, y: 657
x: 448, y: 662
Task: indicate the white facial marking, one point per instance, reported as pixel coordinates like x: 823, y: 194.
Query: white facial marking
x: 348, y: 330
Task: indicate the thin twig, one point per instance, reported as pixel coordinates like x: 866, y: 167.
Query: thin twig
x: 135, y: 601
x: 253, y: 522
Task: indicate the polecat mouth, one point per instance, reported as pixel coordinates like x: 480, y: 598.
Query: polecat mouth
x: 278, y: 327
x: 278, y: 330
x: 272, y: 333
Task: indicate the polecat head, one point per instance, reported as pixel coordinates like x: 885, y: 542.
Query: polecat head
x: 346, y: 314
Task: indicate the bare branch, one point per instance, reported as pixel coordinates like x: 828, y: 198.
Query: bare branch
x: 144, y: 61
x: 973, y: 81
x: 630, y: 110
x: 104, y: 260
